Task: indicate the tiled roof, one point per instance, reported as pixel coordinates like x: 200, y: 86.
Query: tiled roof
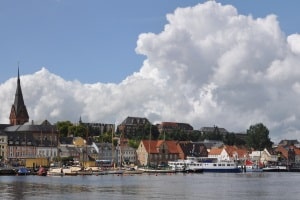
x: 283, y: 151
x: 153, y: 145
x: 235, y: 150
x: 172, y: 147
x: 297, y: 151
x: 193, y: 149
x: 215, y: 151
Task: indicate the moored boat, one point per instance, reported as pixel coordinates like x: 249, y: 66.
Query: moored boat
x: 23, y: 171
x: 7, y: 172
x: 159, y: 170
x: 42, y: 171
x: 275, y: 168
x: 251, y: 166
x: 206, y: 164
x: 56, y: 171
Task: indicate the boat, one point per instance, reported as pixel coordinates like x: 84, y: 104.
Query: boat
x: 132, y: 170
x: 158, y: 170
x: 115, y: 171
x: 195, y: 164
x: 23, y: 171
x: 275, y: 168
x: 63, y: 171
x: 7, y: 172
x: 55, y: 171
x: 251, y: 166
x: 188, y: 165
x: 294, y: 167
x: 42, y: 171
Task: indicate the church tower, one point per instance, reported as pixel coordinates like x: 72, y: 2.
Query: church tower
x: 18, y: 114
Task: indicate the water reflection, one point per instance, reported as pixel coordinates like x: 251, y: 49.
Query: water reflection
x: 177, y: 186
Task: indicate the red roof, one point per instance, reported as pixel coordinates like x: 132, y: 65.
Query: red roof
x: 154, y: 145
x: 215, y: 151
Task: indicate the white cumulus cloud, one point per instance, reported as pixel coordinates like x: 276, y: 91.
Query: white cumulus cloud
x: 209, y: 66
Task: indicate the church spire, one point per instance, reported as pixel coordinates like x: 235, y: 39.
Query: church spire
x: 18, y: 114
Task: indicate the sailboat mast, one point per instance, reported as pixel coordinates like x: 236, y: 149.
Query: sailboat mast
x: 149, y: 153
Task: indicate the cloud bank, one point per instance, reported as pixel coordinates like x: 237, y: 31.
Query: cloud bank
x: 209, y: 66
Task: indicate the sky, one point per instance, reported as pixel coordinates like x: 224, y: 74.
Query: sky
x: 227, y: 63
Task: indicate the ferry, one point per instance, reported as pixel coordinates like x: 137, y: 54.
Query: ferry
x: 204, y: 164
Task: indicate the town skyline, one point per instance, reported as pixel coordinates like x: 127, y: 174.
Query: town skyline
x: 208, y: 64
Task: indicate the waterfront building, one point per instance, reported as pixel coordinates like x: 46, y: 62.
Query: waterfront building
x: 27, y: 140
x: 3, y: 146
x: 187, y: 148
x: 106, y: 151
x: 156, y: 152
x: 228, y: 153
x: 129, y: 155
x: 31, y: 141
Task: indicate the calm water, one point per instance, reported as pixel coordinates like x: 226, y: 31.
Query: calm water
x: 175, y: 186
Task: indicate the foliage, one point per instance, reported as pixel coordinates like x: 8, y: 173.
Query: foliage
x: 63, y: 127
x: 229, y: 139
x: 134, y: 143
x: 78, y: 131
x: 258, y: 137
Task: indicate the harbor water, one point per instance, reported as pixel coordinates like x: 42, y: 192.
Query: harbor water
x: 154, y: 186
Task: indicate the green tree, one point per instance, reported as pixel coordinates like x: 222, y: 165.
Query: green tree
x: 229, y: 139
x: 78, y: 131
x: 63, y: 128
x: 133, y: 143
x: 258, y: 137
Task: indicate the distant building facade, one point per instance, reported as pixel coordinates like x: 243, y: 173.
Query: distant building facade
x: 133, y: 126
x: 96, y: 129
x: 170, y: 127
x: 214, y: 129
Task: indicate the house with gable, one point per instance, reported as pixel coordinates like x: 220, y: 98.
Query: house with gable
x: 262, y: 156
x: 227, y: 153
x: 156, y: 152
x: 216, y: 153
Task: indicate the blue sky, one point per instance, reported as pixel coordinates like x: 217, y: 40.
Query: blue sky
x: 226, y: 63
x: 94, y: 41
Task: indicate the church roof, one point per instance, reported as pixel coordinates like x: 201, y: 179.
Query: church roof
x: 30, y: 128
x: 18, y: 114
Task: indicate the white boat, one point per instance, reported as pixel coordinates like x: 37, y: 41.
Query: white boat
x: 188, y: 165
x: 275, y: 168
x: 206, y: 164
x: 63, y: 171
x: 152, y: 170
x: 57, y: 171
